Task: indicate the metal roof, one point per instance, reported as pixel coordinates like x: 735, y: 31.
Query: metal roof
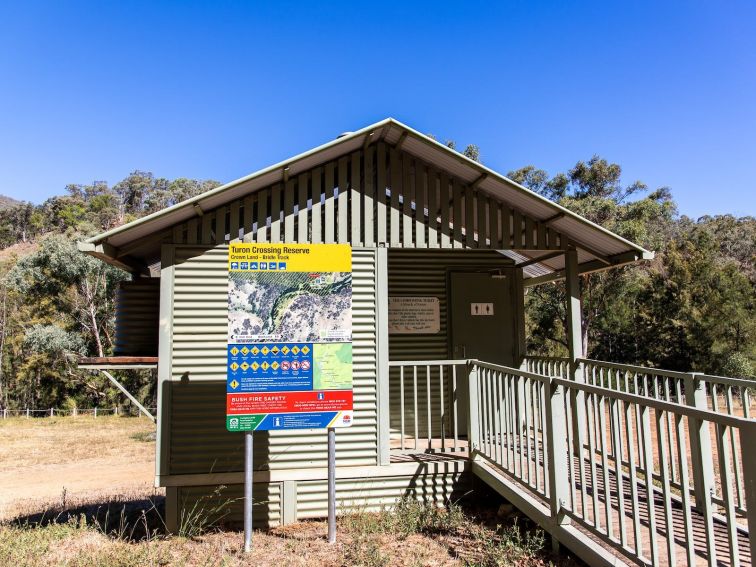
x: 596, y: 244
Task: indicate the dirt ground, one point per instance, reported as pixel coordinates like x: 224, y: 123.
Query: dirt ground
x: 78, y: 492
x: 45, y: 460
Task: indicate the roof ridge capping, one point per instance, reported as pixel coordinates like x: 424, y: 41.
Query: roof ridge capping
x: 188, y: 206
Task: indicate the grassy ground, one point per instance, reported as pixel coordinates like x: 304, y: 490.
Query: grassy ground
x: 44, y: 460
x: 125, y: 527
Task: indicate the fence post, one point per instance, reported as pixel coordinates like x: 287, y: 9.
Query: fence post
x: 700, y: 442
x: 95, y: 412
x: 556, y: 438
x: 5, y: 413
x: 748, y: 457
x: 52, y: 412
x: 115, y: 410
x: 27, y: 413
x: 75, y: 411
x: 473, y: 423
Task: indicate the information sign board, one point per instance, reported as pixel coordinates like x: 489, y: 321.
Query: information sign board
x: 289, y: 356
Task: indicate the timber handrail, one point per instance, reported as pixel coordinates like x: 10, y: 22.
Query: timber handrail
x: 573, y: 443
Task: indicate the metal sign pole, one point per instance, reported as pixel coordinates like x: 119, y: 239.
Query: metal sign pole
x: 331, y: 485
x: 247, y: 491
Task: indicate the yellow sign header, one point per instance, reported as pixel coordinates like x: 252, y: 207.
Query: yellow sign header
x: 263, y: 257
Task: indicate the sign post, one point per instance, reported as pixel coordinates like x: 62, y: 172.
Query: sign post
x: 247, y: 491
x: 289, y: 356
x: 331, y: 485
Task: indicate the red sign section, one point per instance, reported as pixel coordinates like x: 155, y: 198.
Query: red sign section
x: 288, y: 402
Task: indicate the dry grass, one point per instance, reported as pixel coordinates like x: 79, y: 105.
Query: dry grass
x: 411, y: 535
x: 29, y: 443
x: 83, y: 457
x: 113, y: 525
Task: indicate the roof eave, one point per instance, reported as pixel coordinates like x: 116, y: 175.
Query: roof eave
x: 367, y: 131
x: 593, y: 266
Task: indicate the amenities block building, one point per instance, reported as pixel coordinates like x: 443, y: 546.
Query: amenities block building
x: 443, y: 251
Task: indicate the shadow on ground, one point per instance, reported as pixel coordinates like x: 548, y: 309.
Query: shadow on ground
x: 126, y: 520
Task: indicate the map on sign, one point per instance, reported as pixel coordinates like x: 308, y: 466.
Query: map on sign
x: 289, y: 358
x: 293, y: 306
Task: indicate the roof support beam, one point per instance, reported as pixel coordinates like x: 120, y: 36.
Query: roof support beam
x: 553, y: 218
x: 402, y: 138
x: 599, y: 256
x: 479, y: 180
x: 368, y: 140
x: 591, y: 266
x: 110, y: 255
x: 540, y: 259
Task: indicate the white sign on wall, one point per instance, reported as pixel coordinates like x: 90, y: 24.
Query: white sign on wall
x: 482, y: 309
x: 414, y: 315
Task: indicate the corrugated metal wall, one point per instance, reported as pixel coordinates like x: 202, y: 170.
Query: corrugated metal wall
x: 352, y: 495
x: 424, y: 273
x: 199, y: 442
x: 137, y: 314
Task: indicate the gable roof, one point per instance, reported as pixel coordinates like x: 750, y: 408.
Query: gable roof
x: 598, y: 247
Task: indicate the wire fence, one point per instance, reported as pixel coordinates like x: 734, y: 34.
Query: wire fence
x: 127, y: 411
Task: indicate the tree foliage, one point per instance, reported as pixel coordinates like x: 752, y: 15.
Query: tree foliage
x: 692, y: 308
x: 58, y: 303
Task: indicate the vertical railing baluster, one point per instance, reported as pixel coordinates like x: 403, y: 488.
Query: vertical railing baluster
x: 496, y: 395
x: 401, y: 405
x: 414, y: 398
x: 725, y: 476
x: 734, y: 448
x: 615, y: 416
x: 664, y: 466
x: 629, y: 426
x: 455, y: 401
x: 605, y: 467
x: 527, y: 412
x: 590, y: 420
x: 567, y: 400
x: 504, y: 457
x: 648, y: 459
x: 685, y: 490
x: 428, y: 406
x: 442, y: 406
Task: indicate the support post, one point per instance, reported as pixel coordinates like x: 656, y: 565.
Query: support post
x: 331, y: 485
x: 473, y: 424
x: 556, y: 434
x: 247, y: 491
x: 575, y: 348
x: 700, y: 444
x: 574, y: 315
x: 748, y: 457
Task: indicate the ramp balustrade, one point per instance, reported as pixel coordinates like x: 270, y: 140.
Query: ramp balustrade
x: 656, y: 466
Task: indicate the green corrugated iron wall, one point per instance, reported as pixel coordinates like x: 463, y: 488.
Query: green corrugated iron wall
x: 137, y: 311
x: 424, y: 273
x: 353, y: 495
x: 199, y: 442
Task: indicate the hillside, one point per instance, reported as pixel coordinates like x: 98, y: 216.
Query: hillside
x: 7, y: 202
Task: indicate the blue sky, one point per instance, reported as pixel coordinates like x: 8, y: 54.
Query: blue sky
x: 91, y: 91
